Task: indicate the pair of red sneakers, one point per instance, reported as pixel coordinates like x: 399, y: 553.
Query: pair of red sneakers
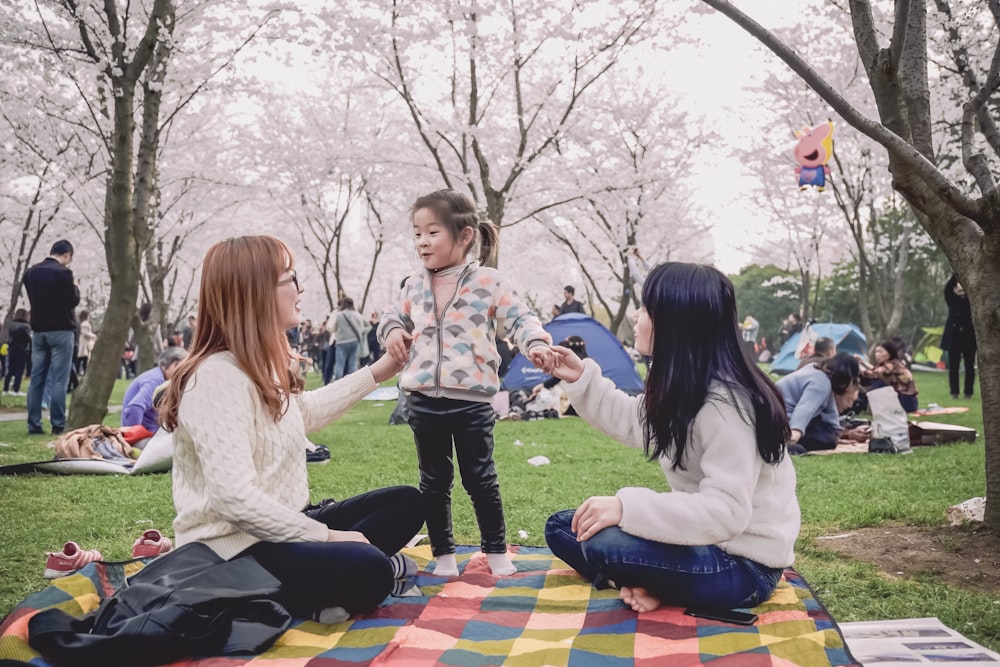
x: 72, y: 557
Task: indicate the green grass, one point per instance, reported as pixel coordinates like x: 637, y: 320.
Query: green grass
x: 837, y: 493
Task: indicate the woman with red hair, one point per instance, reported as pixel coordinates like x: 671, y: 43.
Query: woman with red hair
x: 239, y: 418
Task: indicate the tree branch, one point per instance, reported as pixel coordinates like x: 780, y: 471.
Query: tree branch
x: 922, y: 167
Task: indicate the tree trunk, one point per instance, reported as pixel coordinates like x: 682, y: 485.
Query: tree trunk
x: 967, y: 230
x: 126, y: 201
x: 90, y: 400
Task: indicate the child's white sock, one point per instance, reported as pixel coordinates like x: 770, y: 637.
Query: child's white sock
x: 331, y: 615
x: 446, y: 566
x: 402, y: 566
x: 500, y: 564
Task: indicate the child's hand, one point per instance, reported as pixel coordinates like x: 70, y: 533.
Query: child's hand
x: 541, y: 356
x: 568, y: 366
x: 398, y: 344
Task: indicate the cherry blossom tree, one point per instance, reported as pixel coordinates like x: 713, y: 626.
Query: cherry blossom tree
x: 492, y: 89
x: 959, y: 207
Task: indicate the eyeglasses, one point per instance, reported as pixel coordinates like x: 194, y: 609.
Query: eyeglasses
x: 294, y: 279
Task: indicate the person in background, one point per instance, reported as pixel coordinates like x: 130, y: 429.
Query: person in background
x: 790, y: 326
x: 86, y: 343
x: 823, y: 349
x: 374, y: 349
x: 723, y: 534
x: 239, y: 416
x: 959, y: 337
x: 175, y: 339
x: 750, y: 328
x: 815, y: 395
x: 53, y: 295
x: 890, y: 371
x: 570, y: 305
x: 188, y: 332
x: 137, y: 406
x: 347, y: 333
x: 18, y: 349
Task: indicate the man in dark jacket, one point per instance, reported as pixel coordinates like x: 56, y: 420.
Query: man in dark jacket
x: 570, y: 305
x: 53, y: 295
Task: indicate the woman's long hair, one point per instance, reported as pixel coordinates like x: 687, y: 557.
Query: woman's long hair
x: 696, y: 341
x: 843, y: 371
x: 238, y: 312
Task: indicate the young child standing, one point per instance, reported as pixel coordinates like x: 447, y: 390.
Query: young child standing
x: 443, y: 327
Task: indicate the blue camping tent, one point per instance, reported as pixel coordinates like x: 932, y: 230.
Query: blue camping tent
x: 848, y: 338
x: 602, y: 346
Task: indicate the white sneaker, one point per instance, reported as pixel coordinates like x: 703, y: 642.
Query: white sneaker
x: 20, y: 393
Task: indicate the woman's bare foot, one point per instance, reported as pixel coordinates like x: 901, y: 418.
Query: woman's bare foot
x: 639, y: 599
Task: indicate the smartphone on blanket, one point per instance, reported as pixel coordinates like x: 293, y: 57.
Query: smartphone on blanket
x: 724, y: 615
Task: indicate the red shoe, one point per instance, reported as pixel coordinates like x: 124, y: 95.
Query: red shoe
x: 69, y: 560
x: 151, y: 543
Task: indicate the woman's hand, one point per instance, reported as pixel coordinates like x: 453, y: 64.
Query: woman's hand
x: 386, y: 367
x: 346, y: 536
x: 595, y: 514
x: 397, y: 344
x: 541, y: 356
x: 568, y: 366
x: 796, y: 434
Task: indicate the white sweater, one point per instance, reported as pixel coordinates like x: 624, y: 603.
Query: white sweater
x: 239, y: 477
x: 726, y: 496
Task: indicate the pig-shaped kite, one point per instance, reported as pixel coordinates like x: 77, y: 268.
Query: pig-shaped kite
x: 813, y: 150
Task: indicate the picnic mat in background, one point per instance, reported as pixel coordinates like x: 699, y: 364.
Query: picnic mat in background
x: 546, y: 614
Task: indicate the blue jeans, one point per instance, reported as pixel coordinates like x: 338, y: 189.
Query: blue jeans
x: 51, y: 357
x: 347, y: 359
x: 704, y: 576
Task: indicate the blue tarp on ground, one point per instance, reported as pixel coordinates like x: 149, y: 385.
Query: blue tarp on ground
x: 602, y: 346
x: 848, y: 338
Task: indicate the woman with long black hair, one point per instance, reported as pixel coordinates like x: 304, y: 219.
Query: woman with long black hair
x: 716, y: 424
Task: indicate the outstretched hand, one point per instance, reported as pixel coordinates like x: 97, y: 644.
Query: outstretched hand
x: 398, y: 343
x: 541, y: 356
x: 566, y: 365
x: 594, y: 515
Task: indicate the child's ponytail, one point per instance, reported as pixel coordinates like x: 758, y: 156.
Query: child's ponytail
x: 489, y: 242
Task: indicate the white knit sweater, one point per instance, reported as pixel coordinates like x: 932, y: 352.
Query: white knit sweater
x: 239, y: 477
x: 727, y: 496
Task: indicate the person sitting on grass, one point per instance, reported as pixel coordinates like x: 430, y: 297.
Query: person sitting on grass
x: 239, y: 416
x: 723, y: 534
x: 815, y: 396
x: 139, y: 406
x: 890, y: 371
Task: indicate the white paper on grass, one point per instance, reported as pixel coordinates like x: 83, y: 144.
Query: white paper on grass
x: 539, y: 460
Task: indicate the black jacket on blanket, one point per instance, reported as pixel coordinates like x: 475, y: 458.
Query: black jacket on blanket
x: 188, y: 602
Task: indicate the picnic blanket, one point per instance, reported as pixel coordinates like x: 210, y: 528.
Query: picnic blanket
x: 545, y: 614
x: 938, y: 410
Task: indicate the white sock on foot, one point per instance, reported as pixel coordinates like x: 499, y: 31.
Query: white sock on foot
x: 500, y: 564
x: 446, y: 566
x: 402, y: 566
x: 331, y: 615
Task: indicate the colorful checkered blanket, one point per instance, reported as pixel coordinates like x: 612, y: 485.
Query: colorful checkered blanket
x: 546, y: 614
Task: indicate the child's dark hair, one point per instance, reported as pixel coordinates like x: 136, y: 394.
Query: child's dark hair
x: 892, y: 348
x: 697, y: 344
x: 843, y: 370
x: 457, y: 211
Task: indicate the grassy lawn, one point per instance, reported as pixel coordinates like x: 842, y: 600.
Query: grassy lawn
x: 837, y: 493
